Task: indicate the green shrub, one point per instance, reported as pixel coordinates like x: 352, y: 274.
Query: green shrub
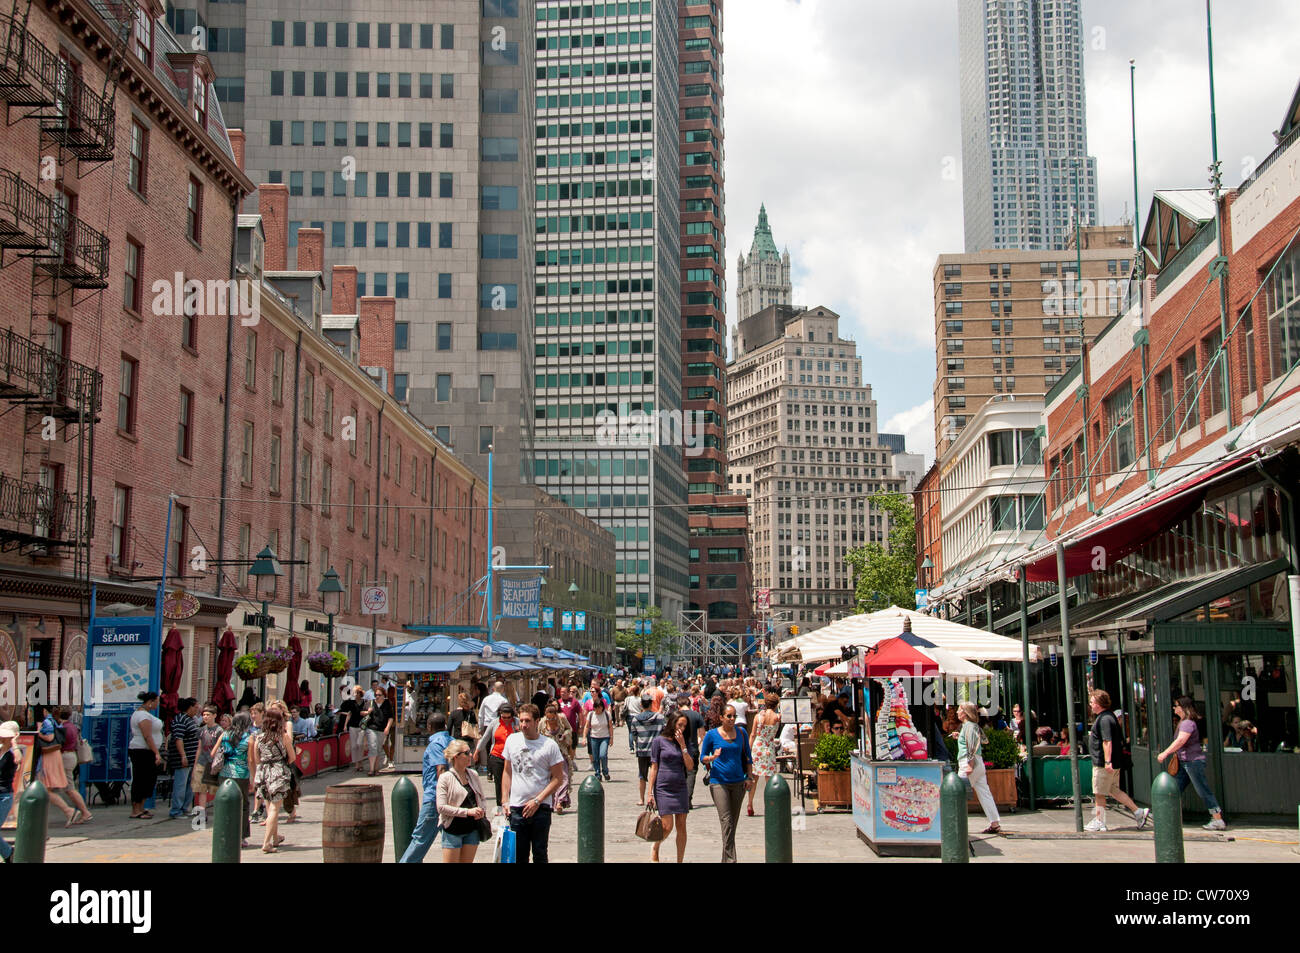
x: 1001, y: 749
x: 834, y: 751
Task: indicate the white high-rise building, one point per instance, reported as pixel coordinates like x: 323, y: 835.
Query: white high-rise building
x: 806, y: 452
x: 1023, y: 121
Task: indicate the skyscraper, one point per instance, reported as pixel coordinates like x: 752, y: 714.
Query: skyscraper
x: 1023, y: 123
x: 763, y: 278
x: 610, y: 436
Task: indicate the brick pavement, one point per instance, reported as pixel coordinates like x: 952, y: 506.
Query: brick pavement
x: 1041, y: 836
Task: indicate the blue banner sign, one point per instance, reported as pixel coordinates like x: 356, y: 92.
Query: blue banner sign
x: 548, y: 617
x: 520, y: 598
x: 568, y: 620
x: 580, y: 620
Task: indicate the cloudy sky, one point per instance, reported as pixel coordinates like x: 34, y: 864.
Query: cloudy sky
x: 843, y: 115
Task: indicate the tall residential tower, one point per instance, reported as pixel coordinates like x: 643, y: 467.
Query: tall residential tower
x: 1023, y: 123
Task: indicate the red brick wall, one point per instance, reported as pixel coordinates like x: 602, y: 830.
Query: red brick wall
x: 377, y: 324
x: 343, y: 293
x: 311, y: 249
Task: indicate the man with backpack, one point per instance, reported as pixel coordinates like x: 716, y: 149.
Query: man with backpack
x: 1110, y: 756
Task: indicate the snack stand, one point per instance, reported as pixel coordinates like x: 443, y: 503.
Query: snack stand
x: 896, y: 790
x: 430, y: 666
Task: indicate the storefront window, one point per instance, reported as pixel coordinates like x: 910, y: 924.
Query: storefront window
x: 1138, y: 679
x: 1257, y: 703
x: 1269, y: 599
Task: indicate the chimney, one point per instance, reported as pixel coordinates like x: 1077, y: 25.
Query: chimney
x: 274, y: 207
x: 311, y: 249
x: 237, y: 146
x: 343, y: 295
x: 376, y: 325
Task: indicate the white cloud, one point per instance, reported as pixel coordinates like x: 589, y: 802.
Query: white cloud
x: 917, y: 424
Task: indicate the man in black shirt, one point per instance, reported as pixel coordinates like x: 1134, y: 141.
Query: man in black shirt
x: 350, y: 722
x: 1110, y: 756
x: 694, y: 735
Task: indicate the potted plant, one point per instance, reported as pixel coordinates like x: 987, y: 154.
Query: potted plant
x: 1001, y: 755
x: 831, y: 755
x: 254, y: 665
x: 331, y: 664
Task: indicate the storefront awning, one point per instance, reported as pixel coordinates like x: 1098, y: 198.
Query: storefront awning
x: 1126, y: 532
x: 502, y: 666
x: 439, y: 667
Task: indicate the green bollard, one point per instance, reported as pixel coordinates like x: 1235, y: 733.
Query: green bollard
x: 33, y: 816
x: 1167, y: 814
x: 227, y: 823
x: 777, y: 837
x: 591, y: 821
x: 953, y: 820
x: 406, y: 807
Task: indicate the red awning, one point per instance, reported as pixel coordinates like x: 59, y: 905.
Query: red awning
x: 1114, y: 538
x: 893, y: 658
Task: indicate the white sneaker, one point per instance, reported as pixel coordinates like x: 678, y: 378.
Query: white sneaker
x: 1095, y: 825
x: 1215, y: 825
x: 1142, y: 815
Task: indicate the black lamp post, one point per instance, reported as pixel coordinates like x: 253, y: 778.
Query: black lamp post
x: 331, y: 598
x: 267, y: 572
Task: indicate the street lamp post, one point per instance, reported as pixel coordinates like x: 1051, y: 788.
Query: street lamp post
x: 331, y: 597
x: 266, y: 570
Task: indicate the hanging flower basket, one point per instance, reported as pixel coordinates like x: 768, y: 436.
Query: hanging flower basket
x: 332, y: 664
x: 257, y: 665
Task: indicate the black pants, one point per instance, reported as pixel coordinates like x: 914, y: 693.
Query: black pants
x: 531, y: 834
x: 498, y: 767
x: 144, y: 774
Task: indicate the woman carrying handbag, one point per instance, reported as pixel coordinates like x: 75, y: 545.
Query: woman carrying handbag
x: 460, y: 807
x: 1189, y: 747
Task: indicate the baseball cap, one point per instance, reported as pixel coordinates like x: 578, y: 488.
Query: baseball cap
x: 9, y: 729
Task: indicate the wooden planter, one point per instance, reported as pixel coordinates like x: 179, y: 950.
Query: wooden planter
x: 834, y: 788
x: 1002, y: 785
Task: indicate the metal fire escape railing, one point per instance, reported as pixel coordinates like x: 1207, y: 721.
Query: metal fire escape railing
x: 35, y: 515
x: 32, y: 374
x: 24, y: 215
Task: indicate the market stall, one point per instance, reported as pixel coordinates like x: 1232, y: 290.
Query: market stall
x: 425, y: 675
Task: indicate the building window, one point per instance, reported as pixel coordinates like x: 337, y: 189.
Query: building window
x: 448, y: 36
x: 326, y: 487
x: 1214, y: 369
x: 277, y: 376
x: 250, y: 360
x: 126, y: 395
x: 274, y: 484
x: 1167, y: 409
x: 142, y: 39
x: 185, y: 425
x: 442, y: 388
x: 1118, y: 410
x: 399, y: 387
x: 304, y: 478
x: 352, y: 504
x: 1191, y: 410
x: 179, y: 541
x: 136, y: 172
x: 131, y: 287
x: 119, y: 533
x: 246, y: 455
x: 444, y: 335
x: 484, y: 439
x: 309, y: 397
x: 487, y: 385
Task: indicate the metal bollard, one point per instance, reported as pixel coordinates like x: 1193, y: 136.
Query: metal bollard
x: 406, y: 807
x: 591, y: 821
x: 227, y: 823
x: 33, y: 817
x: 953, y: 821
x: 1167, y: 814
x: 777, y: 838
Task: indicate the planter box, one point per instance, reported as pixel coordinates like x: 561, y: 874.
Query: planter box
x: 834, y: 788
x: 1002, y: 785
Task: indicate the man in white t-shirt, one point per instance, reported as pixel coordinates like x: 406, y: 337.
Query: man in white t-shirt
x: 534, y: 770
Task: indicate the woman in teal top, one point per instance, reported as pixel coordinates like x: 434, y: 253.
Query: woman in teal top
x: 234, y: 746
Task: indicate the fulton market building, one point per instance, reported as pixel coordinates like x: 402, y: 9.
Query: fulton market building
x: 1172, y: 458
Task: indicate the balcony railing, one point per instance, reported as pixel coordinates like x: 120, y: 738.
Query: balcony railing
x: 70, y: 112
x: 35, y: 515
x: 29, y: 71
x: 30, y: 373
x: 24, y: 214
x: 79, y: 253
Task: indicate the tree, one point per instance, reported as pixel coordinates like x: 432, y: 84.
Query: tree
x: 664, y: 638
x: 886, y: 575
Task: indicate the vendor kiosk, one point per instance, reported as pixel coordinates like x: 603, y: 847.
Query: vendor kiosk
x: 425, y: 673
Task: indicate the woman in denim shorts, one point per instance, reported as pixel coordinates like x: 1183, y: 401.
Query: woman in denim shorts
x: 460, y: 806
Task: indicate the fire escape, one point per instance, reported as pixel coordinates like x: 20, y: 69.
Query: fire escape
x: 48, y: 508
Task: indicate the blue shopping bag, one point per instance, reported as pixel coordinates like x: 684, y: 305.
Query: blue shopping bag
x: 504, y: 852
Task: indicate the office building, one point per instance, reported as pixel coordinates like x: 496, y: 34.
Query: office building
x: 1023, y: 123
x: 609, y: 433
x: 806, y: 452
x: 762, y: 279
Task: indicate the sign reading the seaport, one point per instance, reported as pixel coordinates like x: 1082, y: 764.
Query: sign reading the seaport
x: 374, y: 600
x: 119, y: 663
x: 520, y: 598
x: 548, y: 617
x: 179, y: 605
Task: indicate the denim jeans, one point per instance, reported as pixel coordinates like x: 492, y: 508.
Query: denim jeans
x: 426, y: 831
x: 182, y: 790
x: 599, y: 755
x: 1193, y: 772
x: 6, y: 802
x: 531, y: 833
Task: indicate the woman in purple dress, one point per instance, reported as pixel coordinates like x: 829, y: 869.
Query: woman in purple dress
x: 669, y: 763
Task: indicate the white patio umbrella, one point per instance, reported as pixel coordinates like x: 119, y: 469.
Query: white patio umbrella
x: 869, y: 628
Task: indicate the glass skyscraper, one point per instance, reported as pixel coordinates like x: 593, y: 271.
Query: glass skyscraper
x: 1023, y: 121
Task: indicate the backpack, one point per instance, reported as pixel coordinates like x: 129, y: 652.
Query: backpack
x: 1121, y: 755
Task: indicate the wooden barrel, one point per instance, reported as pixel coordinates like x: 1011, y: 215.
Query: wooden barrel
x: 352, y: 831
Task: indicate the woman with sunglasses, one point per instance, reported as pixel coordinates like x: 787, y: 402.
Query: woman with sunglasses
x: 731, y: 773
x: 460, y: 805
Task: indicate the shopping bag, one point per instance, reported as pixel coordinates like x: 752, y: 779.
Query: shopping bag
x: 503, y: 848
